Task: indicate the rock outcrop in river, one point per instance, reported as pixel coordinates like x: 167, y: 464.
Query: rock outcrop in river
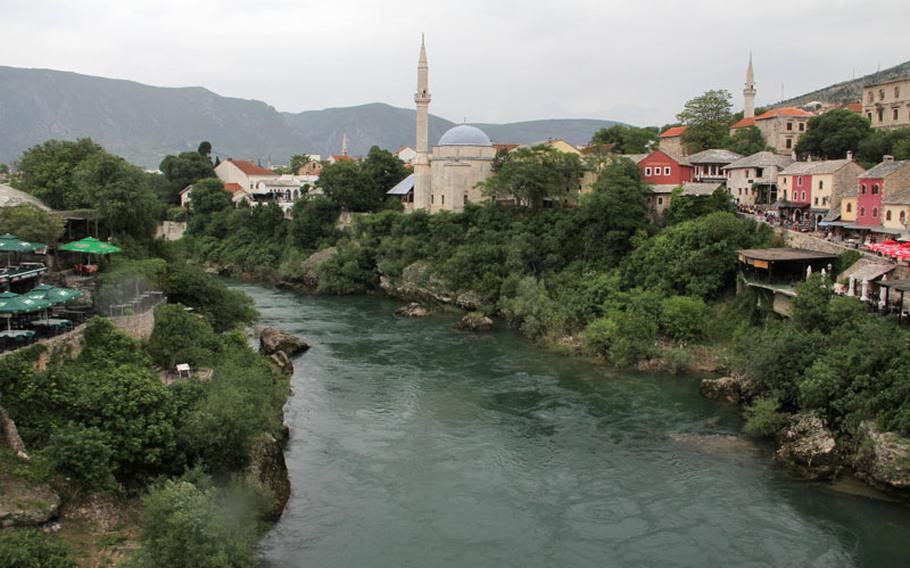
x: 882, y: 459
x: 474, y: 321
x: 268, y: 469
x: 418, y: 283
x: 412, y: 310
x: 273, y: 340
x: 734, y: 389
x: 808, y: 448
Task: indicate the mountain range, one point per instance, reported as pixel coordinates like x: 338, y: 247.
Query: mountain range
x: 849, y: 91
x: 144, y: 123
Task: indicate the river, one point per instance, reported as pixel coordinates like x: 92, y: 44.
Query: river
x: 414, y: 445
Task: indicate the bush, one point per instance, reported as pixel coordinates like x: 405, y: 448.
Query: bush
x: 187, y: 524
x: 182, y: 337
x: 683, y: 318
x: 677, y: 360
x: 31, y: 549
x: 83, y: 454
x: 763, y: 418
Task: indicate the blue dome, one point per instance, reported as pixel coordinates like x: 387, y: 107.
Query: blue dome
x: 465, y: 135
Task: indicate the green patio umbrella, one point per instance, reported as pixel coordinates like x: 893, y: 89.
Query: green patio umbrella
x: 12, y: 243
x: 90, y: 245
x: 54, y: 295
x: 11, y: 304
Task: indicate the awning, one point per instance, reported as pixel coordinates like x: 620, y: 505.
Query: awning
x: 403, y: 187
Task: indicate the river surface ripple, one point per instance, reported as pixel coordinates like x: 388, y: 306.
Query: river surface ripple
x: 417, y: 445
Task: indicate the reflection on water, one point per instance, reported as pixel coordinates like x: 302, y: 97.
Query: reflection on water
x: 416, y: 445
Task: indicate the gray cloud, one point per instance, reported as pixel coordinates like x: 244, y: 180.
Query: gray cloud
x: 489, y: 61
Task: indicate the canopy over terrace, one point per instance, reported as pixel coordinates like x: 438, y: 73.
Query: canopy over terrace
x: 784, y: 262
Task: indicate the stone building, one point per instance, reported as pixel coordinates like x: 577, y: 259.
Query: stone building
x: 809, y: 190
x: 671, y: 140
x: 709, y: 164
x: 753, y: 180
x: 887, y: 105
x: 244, y: 173
x: 878, y: 183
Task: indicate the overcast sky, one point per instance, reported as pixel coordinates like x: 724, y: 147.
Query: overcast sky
x: 636, y: 61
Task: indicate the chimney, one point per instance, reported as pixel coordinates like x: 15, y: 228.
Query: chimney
x: 887, y: 158
x: 849, y: 155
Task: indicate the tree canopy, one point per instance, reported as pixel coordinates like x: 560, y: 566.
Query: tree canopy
x: 31, y: 223
x: 708, y: 118
x: 185, y: 169
x: 746, y: 141
x: 627, y: 139
x: 48, y: 171
x: 831, y: 135
x: 532, y: 175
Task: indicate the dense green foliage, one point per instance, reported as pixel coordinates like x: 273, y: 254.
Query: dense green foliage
x: 361, y: 186
x: 832, y: 356
x: 627, y: 139
x: 31, y: 223
x: 533, y: 175
x: 184, y: 169
x: 708, y: 118
x: 190, y: 523
x: 832, y: 134
x: 31, y: 549
x: 746, y: 141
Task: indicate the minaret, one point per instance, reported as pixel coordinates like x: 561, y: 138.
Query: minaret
x: 344, y: 144
x: 422, y: 161
x: 749, y: 92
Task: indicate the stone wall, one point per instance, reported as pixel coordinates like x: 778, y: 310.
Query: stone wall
x: 137, y: 326
x: 170, y: 230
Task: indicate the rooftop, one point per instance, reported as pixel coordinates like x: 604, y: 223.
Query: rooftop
x: 714, y: 156
x: 815, y: 168
x: 249, y: 168
x: 744, y: 122
x: 465, y: 135
x: 761, y: 160
x: 884, y: 169
x: 673, y: 131
x: 900, y: 197
x: 11, y: 197
x: 403, y: 187
x: 783, y: 254
x: 784, y: 111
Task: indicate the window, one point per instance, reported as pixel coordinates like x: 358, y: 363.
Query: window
x: 869, y: 116
x: 789, y: 143
x: 789, y: 127
x: 849, y: 207
x: 443, y: 199
x: 902, y: 217
x: 874, y: 189
x: 759, y: 172
x: 804, y: 196
x: 881, y: 94
x: 821, y: 184
x: 785, y: 195
x: 871, y: 97
x: 888, y: 215
x: 862, y: 211
x: 816, y: 201
x: 894, y: 114
x: 881, y: 114
x: 660, y: 200
x: 824, y: 201
x: 667, y: 171
x: 466, y: 199
x: 875, y: 211
x: 862, y: 188
x: 799, y: 181
x: 648, y: 171
x: 802, y: 126
x: 432, y: 196
x: 897, y: 91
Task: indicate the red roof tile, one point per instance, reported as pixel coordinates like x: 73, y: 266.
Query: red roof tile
x: 744, y: 122
x: 233, y: 187
x: 856, y: 107
x: 339, y: 157
x: 505, y: 147
x: 674, y: 131
x: 251, y: 169
x: 785, y: 111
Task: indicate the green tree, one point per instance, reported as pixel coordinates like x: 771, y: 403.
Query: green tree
x: 180, y: 336
x: 205, y: 149
x: 880, y: 142
x: 349, y: 186
x: 533, y: 175
x: 185, y: 169
x: 384, y: 169
x: 612, y: 213
x: 48, y: 172
x: 313, y: 220
x: 32, y: 549
x: 31, y: 223
x: 186, y: 524
x: 82, y: 453
x: 297, y: 162
x: 627, y: 139
x: 683, y: 318
x: 747, y: 141
x: 708, y: 118
x: 222, y: 307
x: 831, y: 135
x: 688, y: 207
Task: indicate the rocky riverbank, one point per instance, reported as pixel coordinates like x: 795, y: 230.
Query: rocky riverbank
x: 810, y: 449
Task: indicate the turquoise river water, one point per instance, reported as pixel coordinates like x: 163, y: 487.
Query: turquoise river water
x: 414, y: 445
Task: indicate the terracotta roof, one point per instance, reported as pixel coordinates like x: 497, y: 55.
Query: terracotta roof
x: 785, y: 111
x: 339, y: 157
x: 233, y: 187
x: 251, y: 169
x: 744, y: 122
x: 856, y: 107
x: 505, y: 147
x: 589, y: 149
x: 673, y: 131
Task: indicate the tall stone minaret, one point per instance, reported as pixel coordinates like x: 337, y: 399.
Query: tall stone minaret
x: 422, y: 161
x: 344, y: 144
x: 749, y: 92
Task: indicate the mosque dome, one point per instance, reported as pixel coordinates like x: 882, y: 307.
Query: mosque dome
x: 465, y: 135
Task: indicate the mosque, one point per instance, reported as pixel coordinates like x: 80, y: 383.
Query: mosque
x: 445, y: 179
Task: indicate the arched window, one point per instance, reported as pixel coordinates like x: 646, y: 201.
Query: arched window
x: 875, y: 211
x: 862, y: 211
x: 804, y: 196
x: 902, y: 217
x: 888, y: 215
x: 874, y: 189
x: 849, y: 208
x: 862, y: 188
